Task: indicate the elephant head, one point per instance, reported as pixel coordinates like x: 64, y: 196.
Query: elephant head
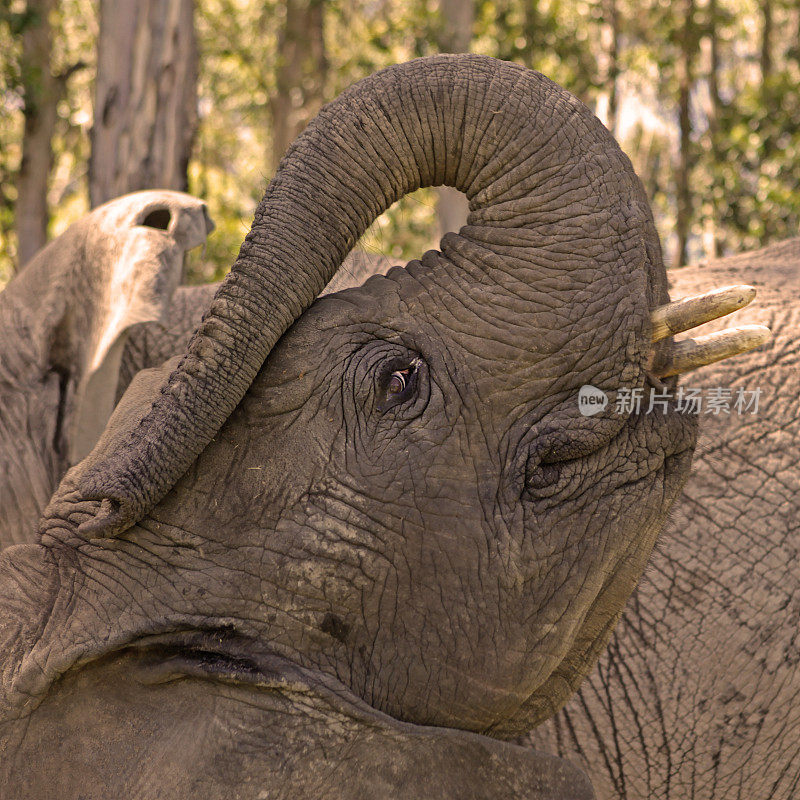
x: 381, y: 502
x: 63, y: 324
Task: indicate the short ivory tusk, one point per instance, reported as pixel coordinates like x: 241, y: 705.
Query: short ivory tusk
x: 689, y: 312
x: 690, y: 354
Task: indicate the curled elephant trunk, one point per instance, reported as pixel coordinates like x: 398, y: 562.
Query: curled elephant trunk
x: 543, y: 177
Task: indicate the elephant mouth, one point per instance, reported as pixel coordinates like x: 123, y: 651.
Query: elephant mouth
x: 591, y: 636
x: 218, y: 654
x: 221, y: 654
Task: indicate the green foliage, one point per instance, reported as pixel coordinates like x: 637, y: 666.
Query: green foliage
x: 744, y: 151
x: 74, y: 58
x: 74, y: 27
x: 554, y: 37
x: 758, y: 190
x: 232, y: 166
x: 12, y: 22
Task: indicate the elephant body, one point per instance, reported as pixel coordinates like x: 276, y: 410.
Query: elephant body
x: 698, y: 694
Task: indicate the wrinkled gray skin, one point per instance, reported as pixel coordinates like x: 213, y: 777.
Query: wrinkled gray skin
x: 273, y: 574
x: 63, y: 323
x: 698, y: 694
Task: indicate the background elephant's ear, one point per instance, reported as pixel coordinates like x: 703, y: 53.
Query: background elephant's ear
x: 114, y: 268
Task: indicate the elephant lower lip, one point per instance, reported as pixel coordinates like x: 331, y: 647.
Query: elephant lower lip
x: 165, y: 664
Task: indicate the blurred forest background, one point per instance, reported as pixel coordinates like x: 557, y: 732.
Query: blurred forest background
x: 101, y: 97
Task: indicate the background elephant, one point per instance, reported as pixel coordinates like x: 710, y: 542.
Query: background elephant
x: 698, y: 694
x: 63, y: 324
x: 395, y: 517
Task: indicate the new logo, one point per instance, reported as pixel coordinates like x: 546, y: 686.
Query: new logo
x: 591, y: 400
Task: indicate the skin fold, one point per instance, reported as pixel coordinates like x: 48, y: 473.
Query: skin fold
x: 373, y: 521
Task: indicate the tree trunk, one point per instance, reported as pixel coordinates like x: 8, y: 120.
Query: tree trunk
x: 301, y: 73
x: 609, y: 62
x: 457, y: 19
x: 531, y: 26
x: 455, y: 36
x: 716, y: 241
x: 683, y: 195
x: 145, y: 97
x: 766, y: 41
x: 41, y: 91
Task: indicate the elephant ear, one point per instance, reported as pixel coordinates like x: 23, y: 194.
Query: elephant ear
x: 114, y: 268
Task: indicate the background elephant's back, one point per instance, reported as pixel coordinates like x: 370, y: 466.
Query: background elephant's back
x: 773, y: 270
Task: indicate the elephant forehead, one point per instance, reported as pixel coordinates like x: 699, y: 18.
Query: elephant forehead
x: 570, y: 322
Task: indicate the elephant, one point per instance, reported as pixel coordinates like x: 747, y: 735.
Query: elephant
x: 698, y: 694
x: 684, y: 714
x: 352, y: 545
x: 63, y: 325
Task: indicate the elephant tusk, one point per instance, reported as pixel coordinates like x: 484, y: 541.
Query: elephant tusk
x: 690, y: 354
x: 689, y: 312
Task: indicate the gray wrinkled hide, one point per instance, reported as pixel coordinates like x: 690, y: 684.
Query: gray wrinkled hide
x: 698, y: 694
x: 311, y: 739
x: 63, y: 324
x: 314, y: 737
x: 290, y: 516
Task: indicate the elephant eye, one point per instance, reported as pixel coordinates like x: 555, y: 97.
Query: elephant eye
x: 398, y: 381
x: 400, y: 384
